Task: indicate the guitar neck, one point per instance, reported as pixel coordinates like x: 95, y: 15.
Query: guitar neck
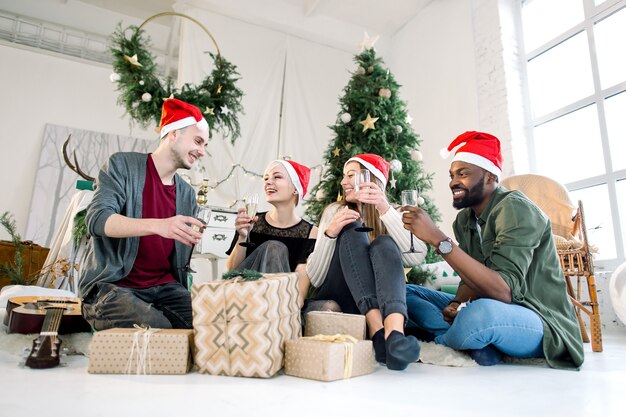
x: 47, y: 346
x: 52, y: 322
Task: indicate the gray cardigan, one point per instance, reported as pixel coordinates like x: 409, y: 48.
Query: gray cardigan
x: 120, y: 191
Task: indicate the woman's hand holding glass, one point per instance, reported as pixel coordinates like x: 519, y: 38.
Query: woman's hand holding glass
x: 343, y: 217
x: 370, y: 193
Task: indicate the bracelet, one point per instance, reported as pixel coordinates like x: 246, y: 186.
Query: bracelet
x: 455, y: 301
x: 328, y: 236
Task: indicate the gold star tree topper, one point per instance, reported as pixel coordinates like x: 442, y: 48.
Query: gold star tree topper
x: 132, y: 60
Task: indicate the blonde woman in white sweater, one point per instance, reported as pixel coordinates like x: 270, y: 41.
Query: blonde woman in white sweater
x: 362, y: 276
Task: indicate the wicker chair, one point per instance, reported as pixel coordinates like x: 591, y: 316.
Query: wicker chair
x: 573, y: 248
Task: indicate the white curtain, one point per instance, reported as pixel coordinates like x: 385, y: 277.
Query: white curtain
x: 278, y: 71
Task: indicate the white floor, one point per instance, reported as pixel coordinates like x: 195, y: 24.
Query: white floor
x: 599, y: 389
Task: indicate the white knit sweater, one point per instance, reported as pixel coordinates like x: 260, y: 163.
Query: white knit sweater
x: 319, y: 261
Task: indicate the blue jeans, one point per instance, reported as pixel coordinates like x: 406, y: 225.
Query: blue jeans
x: 364, y: 276
x: 164, y: 307
x: 511, y: 328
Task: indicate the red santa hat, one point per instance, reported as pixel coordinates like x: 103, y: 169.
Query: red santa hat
x: 374, y: 163
x: 478, y: 148
x: 299, y: 175
x: 177, y: 114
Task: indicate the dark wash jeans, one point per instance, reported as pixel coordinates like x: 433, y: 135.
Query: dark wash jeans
x: 270, y: 256
x: 364, y: 276
x: 164, y: 306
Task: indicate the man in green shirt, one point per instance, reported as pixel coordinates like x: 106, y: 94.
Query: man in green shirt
x: 512, y: 298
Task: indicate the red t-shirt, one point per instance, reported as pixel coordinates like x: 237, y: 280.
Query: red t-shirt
x: 152, y: 266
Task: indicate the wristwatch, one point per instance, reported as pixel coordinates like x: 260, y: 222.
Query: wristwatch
x: 444, y: 247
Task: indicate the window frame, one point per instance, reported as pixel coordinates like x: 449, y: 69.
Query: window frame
x: 592, y: 15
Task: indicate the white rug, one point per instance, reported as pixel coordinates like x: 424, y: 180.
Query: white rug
x: 434, y: 354
x: 21, y: 344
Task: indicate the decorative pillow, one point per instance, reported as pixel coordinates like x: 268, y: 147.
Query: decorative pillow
x: 443, y: 275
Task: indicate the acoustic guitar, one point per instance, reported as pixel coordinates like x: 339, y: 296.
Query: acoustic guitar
x: 27, y: 314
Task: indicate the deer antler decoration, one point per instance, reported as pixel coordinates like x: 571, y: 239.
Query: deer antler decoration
x: 74, y: 167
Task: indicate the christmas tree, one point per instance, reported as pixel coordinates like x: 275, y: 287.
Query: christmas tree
x: 373, y: 119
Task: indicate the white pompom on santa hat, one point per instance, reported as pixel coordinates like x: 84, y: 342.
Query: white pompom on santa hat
x: 177, y: 114
x: 298, y: 173
x: 477, y: 148
x: 374, y: 163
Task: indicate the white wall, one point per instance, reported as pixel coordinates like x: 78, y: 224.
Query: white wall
x: 433, y: 59
x: 458, y: 62
x: 39, y: 89
x: 42, y: 88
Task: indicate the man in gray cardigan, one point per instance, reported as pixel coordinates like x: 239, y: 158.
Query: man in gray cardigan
x: 141, y: 226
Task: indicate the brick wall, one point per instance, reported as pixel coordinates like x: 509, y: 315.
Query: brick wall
x: 500, y: 66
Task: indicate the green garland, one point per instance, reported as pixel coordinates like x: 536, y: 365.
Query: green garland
x: 142, y: 93
x: 245, y: 274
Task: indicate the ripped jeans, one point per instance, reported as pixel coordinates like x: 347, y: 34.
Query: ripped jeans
x: 164, y: 306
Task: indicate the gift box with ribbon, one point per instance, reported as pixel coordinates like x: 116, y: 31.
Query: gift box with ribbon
x: 241, y: 325
x: 141, y: 351
x: 327, y: 322
x: 328, y: 358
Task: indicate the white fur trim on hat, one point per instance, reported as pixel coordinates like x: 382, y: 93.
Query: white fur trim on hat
x: 375, y: 171
x: 478, y: 160
x: 187, y: 121
x: 293, y: 175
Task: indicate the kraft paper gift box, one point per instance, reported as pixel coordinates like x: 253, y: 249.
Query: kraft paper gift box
x: 241, y: 326
x: 327, y: 322
x: 141, y: 351
x: 328, y: 358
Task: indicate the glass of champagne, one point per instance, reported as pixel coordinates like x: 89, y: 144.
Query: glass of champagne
x: 361, y: 177
x: 409, y: 198
x: 251, y: 201
x: 204, y: 214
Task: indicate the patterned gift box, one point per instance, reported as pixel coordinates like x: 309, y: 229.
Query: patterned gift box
x: 141, y: 351
x: 327, y: 322
x: 329, y: 358
x: 241, y: 326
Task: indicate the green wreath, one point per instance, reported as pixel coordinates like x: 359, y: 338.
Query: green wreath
x: 142, y: 93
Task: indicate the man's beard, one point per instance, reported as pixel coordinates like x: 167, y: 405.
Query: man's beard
x: 472, y: 197
x: 179, y: 161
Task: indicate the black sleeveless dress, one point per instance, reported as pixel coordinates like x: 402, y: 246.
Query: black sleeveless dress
x: 296, y: 238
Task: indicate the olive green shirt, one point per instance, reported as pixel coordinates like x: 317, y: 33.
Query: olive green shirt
x: 514, y: 238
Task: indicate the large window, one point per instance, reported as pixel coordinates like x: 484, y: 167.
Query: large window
x: 576, y: 66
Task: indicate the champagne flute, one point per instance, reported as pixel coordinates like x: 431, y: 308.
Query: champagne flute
x: 361, y: 177
x: 204, y: 214
x: 251, y: 201
x: 409, y: 198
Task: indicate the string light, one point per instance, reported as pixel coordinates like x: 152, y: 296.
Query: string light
x: 247, y: 173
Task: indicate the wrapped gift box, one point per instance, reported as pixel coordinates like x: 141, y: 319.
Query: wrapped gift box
x: 141, y: 351
x: 332, y: 358
x: 326, y: 322
x: 241, y: 326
